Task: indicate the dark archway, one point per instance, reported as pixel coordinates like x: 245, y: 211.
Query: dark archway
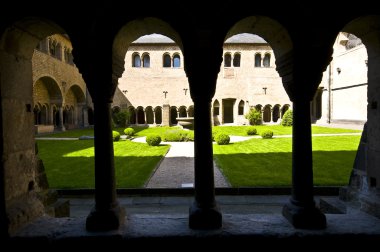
x: 228, y: 110
x: 149, y: 115
x: 276, y: 112
x: 173, y: 116
x: 158, y: 114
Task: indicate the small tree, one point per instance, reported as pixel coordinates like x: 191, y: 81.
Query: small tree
x: 254, y: 117
x: 287, y: 119
x: 120, y: 118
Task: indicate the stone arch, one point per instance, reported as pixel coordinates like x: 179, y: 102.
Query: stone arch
x: 149, y: 115
x: 276, y: 112
x: 367, y: 28
x: 158, y: 114
x: 173, y: 115
x: 182, y: 111
x: 284, y: 108
x: 237, y: 59
x: 241, y: 107
x: 267, y: 113
x: 266, y: 60
x: 258, y: 60
x: 75, y: 98
x: 259, y: 107
x: 227, y: 59
x: 46, y: 91
x: 190, y: 111
x: 132, y: 31
x: 140, y: 115
x: 145, y: 60
x: 267, y: 28
x: 136, y: 60
x: 132, y: 115
x: 176, y: 60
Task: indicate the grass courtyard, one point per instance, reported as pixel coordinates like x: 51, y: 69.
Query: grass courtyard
x: 255, y: 162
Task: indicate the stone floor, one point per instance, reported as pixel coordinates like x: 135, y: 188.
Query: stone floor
x: 163, y: 221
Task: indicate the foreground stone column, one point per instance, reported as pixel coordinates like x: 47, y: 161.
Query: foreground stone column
x: 204, y: 213
x: 107, y: 214
x: 301, y: 210
x: 61, y: 125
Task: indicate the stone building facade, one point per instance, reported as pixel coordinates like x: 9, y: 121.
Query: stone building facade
x: 342, y: 95
x: 157, y: 91
x: 60, y: 97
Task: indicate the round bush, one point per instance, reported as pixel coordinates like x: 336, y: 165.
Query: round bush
x: 153, y: 140
x: 115, y: 136
x: 287, y: 119
x: 251, y: 131
x: 129, y: 132
x: 266, y: 134
x: 222, y: 139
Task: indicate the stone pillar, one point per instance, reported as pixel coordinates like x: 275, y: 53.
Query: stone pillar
x: 51, y: 115
x: 301, y: 210
x: 61, y: 125
x: 145, y: 118
x: 204, y: 213
x: 107, y: 214
x: 166, y: 115
x: 154, y: 117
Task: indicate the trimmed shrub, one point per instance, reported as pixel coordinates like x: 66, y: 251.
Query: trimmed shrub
x: 254, y: 117
x: 120, y: 118
x: 214, y: 133
x: 153, y: 140
x: 251, y: 131
x: 222, y: 139
x: 129, y: 132
x: 266, y: 134
x: 287, y: 119
x: 115, y: 136
x: 189, y: 136
x: 174, y: 136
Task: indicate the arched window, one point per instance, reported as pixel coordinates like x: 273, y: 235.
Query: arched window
x: 241, y: 108
x: 146, y: 60
x: 227, y: 60
x: 258, y: 60
x: 167, y: 60
x: 176, y: 61
x: 136, y: 61
x: 237, y: 60
x: 266, y: 61
x: 52, y: 47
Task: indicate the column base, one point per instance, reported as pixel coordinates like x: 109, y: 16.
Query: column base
x: 303, y: 217
x: 104, y: 220
x: 204, y: 218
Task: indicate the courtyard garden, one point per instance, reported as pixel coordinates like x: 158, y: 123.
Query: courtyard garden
x: 254, y: 162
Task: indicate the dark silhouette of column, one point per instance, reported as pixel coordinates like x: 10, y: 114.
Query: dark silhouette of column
x: 204, y: 214
x: 107, y: 214
x: 301, y: 210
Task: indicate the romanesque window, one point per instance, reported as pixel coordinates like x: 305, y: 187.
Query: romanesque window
x: 52, y: 47
x: 258, y: 60
x: 167, y: 60
x: 266, y: 61
x: 227, y: 60
x: 237, y: 60
x: 241, y: 108
x: 176, y: 61
x: 146, y: 60
x: 136, y: 61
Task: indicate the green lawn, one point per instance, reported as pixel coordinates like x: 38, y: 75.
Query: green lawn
x: 259, y: 162
x: 70, y: 164
x: 277, y: 130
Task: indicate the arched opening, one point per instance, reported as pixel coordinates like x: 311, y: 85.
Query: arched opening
x: 90, y: 113
x: 216, y: 108
x: 276, y: 112
x: 75, y: 98
x: 176, y: 60
x: 158, y: 115
x: 227, y: 60
x: 132, y: 115
x: 136, y: 61
x: 140, y: 115
x: 241, y: 108
x: 237, y: 57
x: 166, y: 60
x: 257, y: 60
x: 182, y: 111
x: 267, y: 113
x: 173, y: 116
x: 266, y: 60
x: 149, y: 115
x: 284, y: 108
x: 146, y: 60
x: 190, y: 111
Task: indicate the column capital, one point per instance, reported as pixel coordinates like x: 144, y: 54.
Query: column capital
x: 302, y: 71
